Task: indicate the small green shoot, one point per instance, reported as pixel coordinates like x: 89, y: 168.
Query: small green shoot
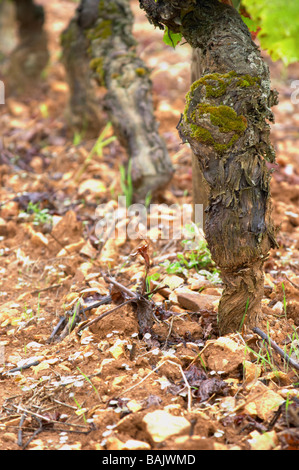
x: 44, y: 110
x: 284, y: 300
x: 244, y: 316
x: 40, y: 216
x: 38, y: 306
x: 90, y: 382
x: 287, y: 404
x: 198, y: 259
x: 126, y: 182
x: 72, y: 320
x: 97, y: 149
x: 152, y: 277
x: 80, y: 411
x: 202, y: 363
x: 77, y: 139
x: 148, y: 199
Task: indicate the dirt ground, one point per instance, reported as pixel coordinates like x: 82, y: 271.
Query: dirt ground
x: 181, y: 387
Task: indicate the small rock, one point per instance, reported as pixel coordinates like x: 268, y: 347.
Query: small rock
x: 173, y: 282
x: 278, y: 307
x: 251, y: 371
x: 9, y: 437
x: 133, y: 444
x: 161, y: 425
x: 92, y: 186
x: 134, y: 405
x: 10, y: 209
x: 3, y: 227
x: 262, y: 402
x: 88, y: 250
x: 195, y: 302
x: 266, y: 441
x: 224, y: 354
x: 118, y: 349
x: 118, y: 382
x: 37, y: 164
x: 72, y: 248
x: 113, y: 443
x: 39, y: 239
x: 37, y: 444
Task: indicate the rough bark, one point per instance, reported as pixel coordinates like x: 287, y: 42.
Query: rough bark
x: 226, y: 123
x: 31, y: 55
x: 200, y: 189
x: 84, y: 113
x: 107, y: 27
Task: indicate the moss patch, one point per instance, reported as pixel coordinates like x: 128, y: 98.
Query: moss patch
x: 102, y: 30
x: 141, y: 71
x: 68, y: 36
x: 223, y: 117
x: 96, y: 66
x: 216, y: 83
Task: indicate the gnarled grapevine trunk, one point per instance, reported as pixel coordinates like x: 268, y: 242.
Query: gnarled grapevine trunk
x: 226, y: 123
x: 106, y: 25
x: 31, y: 55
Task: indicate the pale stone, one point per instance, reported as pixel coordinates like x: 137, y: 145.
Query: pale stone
x: 72, y: 248
x: 162, y: 425
x: 3, y: 227
x: 118, y: 382
x: 134, y: 405
x: 118, y: 349
x: 224, y: 354
x: 133, y: 444
x: 92, y: 186
x: 278, y: 307
x: 251, y: 371
x: 9, y: 437
x: 172, y: 281
x: 113, y: 443
x: 195, y: 302
x: 262, y: 402
x: 266, y: 441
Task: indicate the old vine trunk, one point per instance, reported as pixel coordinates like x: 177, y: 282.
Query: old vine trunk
x: 103, y: 28
x: 226, y: 123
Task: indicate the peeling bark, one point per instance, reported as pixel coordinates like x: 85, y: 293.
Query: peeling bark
x: 31, y: 55
x: 200, y: 189
x: 107, y: 27
x: 226, y: 123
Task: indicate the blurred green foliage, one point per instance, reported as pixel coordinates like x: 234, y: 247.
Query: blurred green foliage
x: 277, y: 23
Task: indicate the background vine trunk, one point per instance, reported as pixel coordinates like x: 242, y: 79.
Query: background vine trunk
x: 31, y: 55
x: 103, y: 28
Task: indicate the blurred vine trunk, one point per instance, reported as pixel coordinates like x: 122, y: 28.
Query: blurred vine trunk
x: 98, y: 44
x: 226, y: 123
x: 31, y: 55
x: 8, y: 38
